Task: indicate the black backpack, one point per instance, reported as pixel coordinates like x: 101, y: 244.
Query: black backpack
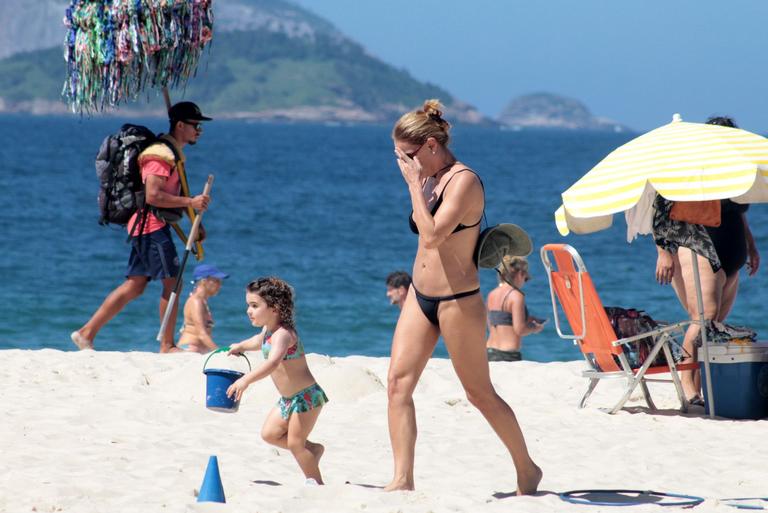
x: 121, y: 191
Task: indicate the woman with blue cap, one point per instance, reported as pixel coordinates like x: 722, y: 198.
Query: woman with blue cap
x: 195, y: 334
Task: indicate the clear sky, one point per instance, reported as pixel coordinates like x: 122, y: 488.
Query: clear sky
x: 636, y: 62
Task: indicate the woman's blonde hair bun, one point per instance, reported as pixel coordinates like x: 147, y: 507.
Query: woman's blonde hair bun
x: 433, y: 108
x: 419, y: 125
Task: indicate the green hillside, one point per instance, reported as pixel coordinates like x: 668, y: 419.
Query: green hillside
x: 245, y: 73
x: 33, y: 75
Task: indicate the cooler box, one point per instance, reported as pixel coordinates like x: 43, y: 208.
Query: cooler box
x: 739, y: 379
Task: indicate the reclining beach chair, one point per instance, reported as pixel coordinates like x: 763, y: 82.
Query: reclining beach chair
x: 570, y: 283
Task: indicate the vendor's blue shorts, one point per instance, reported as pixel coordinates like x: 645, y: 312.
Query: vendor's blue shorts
x: 154, y: 255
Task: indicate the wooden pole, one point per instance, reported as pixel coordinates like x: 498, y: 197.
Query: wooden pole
x: 167, y: 98
x: 187, y: 250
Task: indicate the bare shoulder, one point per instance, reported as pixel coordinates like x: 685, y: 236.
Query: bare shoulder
x: 464, y: 183
x: 515, y: 297
x: 286, y: 336
x: 193, y: 302
x: 465, y: 176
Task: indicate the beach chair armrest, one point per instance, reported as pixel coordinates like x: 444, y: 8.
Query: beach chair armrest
x: 652, y: 333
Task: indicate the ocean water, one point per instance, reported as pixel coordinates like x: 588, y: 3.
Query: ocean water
x: 323, y: 207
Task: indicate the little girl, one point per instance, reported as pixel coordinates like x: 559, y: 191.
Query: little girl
x: 270, y: 304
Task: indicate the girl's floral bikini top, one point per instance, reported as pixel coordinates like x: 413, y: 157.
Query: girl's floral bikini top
x: 294, y: 352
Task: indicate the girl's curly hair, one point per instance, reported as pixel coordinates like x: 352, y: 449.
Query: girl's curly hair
x: 278, y: 295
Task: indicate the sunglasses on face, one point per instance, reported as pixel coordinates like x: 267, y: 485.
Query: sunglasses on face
x: 413, y: 153
x: 196, y: 124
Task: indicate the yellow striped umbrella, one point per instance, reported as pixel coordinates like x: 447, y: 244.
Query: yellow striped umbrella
x: 681, y: 161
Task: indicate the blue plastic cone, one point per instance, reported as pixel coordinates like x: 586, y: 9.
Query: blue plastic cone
x: 211, y: 490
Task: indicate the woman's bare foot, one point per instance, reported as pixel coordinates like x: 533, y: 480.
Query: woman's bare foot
x: 400, y: 484
x: 80, y: 341
x: 528, y: 484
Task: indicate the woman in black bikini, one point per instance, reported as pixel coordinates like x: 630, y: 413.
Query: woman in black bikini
x: 444, y: 298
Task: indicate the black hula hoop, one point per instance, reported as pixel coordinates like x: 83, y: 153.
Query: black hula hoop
x: 688, y: 500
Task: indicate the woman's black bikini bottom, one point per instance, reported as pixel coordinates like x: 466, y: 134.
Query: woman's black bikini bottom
x: 429, y: 304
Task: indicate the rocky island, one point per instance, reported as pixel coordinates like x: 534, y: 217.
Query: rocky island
x: 545, y: 110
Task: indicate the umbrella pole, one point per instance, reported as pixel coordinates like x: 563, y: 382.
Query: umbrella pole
x: 167, y: 98
x: 190, y: 242
x: 702, y: 323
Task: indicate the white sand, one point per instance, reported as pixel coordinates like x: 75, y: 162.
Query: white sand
x: 117, y: 432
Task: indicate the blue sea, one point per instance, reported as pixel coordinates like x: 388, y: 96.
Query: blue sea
x: 324, y: 207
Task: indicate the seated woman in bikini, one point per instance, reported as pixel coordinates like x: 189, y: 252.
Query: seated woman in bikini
x: 444, y: 298
x: 508, y: 318
x: 195, y: 334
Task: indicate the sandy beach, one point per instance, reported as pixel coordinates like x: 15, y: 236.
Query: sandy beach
x: 107, y: 431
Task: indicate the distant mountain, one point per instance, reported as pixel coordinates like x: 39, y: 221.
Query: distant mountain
x: 270, y: 60
x: 545, y: 110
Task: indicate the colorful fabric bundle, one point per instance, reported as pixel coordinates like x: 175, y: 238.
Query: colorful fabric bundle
x: 116, y: 48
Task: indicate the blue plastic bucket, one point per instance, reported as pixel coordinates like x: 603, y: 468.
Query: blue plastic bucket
x: 217, y: 383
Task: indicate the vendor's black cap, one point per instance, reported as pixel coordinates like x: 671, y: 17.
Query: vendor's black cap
x: 186, y: 111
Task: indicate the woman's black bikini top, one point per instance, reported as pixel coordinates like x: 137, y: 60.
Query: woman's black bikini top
x: 412, y: 223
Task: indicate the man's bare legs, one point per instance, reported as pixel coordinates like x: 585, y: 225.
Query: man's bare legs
x: 130, y: 289
x: 167, y: 345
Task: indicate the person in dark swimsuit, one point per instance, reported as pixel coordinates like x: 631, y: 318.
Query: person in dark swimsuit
x: 734, y: 244
x: 723, y: 252
x: 508, y: 317
x: 444, y: 298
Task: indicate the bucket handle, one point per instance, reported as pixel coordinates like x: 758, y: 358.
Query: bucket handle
x: 222, y: 349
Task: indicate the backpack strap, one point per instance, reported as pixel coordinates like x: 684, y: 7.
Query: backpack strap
x: 172, y: 147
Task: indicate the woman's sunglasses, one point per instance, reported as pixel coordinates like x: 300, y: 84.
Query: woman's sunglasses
x: 413, y: 153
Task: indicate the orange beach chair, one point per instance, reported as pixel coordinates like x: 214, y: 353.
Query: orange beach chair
x: 571, y: 284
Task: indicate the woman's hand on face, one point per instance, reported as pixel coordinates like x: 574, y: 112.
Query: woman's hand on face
x: 409, y: 167
x: 753, y: 260
x: 665, y: 268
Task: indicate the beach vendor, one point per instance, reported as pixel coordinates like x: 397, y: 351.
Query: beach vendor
x: 508, y: 317
x: 153, y: 254
x: 289, y: 423
x: 196, y: 333
x: 448, y: 201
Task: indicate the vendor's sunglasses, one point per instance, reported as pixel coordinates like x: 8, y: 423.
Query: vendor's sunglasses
x: 198, y: 126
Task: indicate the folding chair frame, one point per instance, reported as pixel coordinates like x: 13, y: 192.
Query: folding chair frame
x: 662, y: 338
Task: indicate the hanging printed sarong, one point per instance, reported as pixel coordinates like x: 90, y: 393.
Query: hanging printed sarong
x: 116, y: 48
